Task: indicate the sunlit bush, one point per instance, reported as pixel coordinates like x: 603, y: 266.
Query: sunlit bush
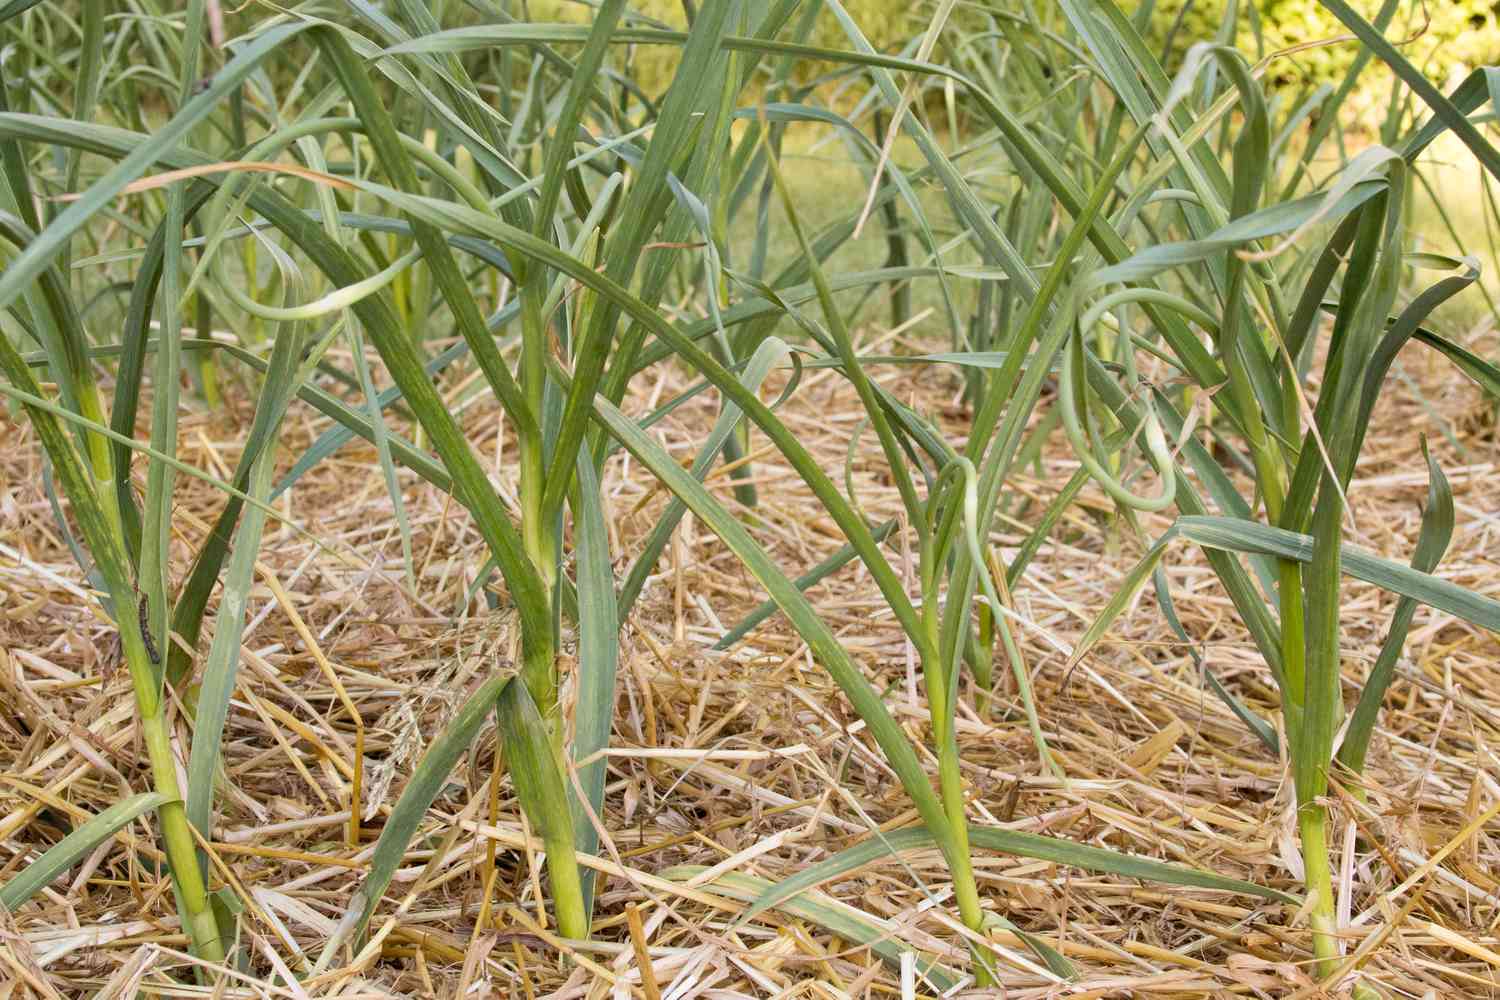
x: 884, y: 22
x: 1444, y: 37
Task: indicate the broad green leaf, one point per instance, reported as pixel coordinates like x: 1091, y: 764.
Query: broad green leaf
x: 89, y: 513
x: 972, y: 209
x: 1478, y: 88
x: 1401, y: 330
x: 221, y: 667
x: 56, y: 324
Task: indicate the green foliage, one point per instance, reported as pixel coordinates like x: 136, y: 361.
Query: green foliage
x: 1444, y: 37
x: 887, y: 23
x: 1359, y: 291
x: 1143, y: 244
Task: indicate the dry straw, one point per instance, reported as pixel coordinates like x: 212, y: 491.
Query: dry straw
x: 738, y: 727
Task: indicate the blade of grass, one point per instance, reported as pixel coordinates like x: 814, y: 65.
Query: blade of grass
x: 101, y: 530
x: 154, y: 570
x: 526, y: 585
x: 1017, y: 843
x: 866, y: 702
x: 699, y: 77
x: 49, y: 243
x: 599, y: 620
x: 832, y: 915
x: 1432, y: 541
x: 767, y: 356
x: 1445, y: 111
x: 75, y: 847
x: 1234, y: 535
x: 221, y: 666
x: 427, y: 779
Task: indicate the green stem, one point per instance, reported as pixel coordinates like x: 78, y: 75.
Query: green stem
x: 207, y: 364
x: 533, y: 464
x: 567, y: 892
x: 984, y: 660
x: 88, y: 480
x: 1293, y: 654
x: 539, y: 666
x: 177, y: 840
x: 208, y: 380
x: 735, y: 449
x: 1312, y: 821
x: 960, y: 864
x: 177, y: 835
x: 941, y: 700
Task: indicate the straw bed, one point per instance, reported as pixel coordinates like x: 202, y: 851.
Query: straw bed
x: 743, y: 763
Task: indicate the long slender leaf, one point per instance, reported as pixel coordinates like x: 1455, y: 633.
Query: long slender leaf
x: 839, y: 918
x: 537, y: 773
x: 867, y: 703
x: 222, y: 665
x: 1432, y: 541
x: 1247, y: 536
x: 427, y: 779
x: 1014, y: 842
x: 767, y: 356
x: 74, y: 847
x: 1445, y: 111
x: 36, y: 257
x: 598, y: 657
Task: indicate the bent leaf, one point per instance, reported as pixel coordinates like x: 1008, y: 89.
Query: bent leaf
x: 1249, y: 536
x: 829, y: 914
x: 1015, y: 842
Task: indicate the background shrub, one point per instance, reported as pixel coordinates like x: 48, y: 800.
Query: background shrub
x: 1451, y: 36
x: 886, y: 23
x: 1447, y: 37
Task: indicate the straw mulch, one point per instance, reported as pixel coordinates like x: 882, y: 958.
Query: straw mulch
x: 750, y: 762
